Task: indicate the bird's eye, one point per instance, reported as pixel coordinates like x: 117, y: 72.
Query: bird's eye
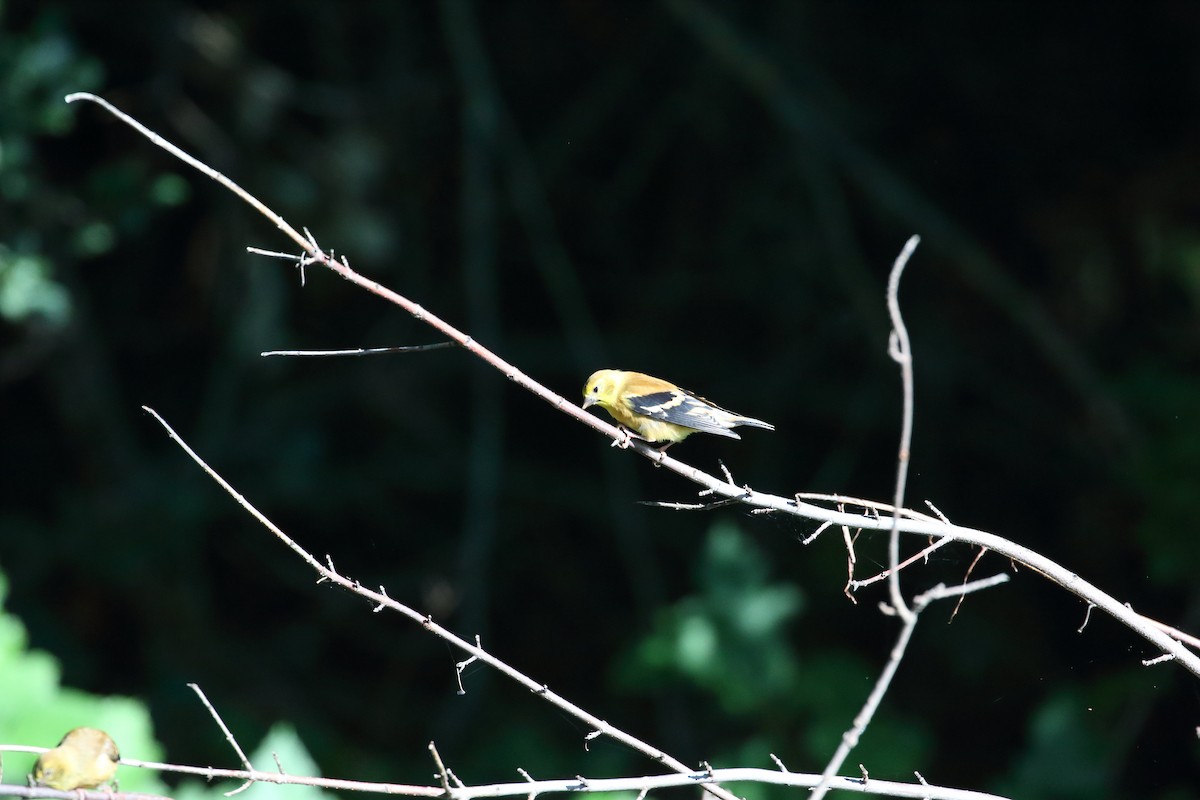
x: 595, y: 388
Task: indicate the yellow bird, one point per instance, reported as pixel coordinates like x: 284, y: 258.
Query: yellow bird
x: 659, y: 411
x: 84, y: 759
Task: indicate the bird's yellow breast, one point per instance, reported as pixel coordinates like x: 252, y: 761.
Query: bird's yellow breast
x: 656, y: 431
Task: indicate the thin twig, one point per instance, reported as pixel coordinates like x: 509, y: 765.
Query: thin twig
x: 820, y: 528
x: 258, y: 251
x: 967, y: 577
x: 462, y: 665
x: 443, y: 773
x: 854, y: 585
x: 851, y: 560
x: 727, y: 501
x: 1087, y: 616
x: 842, y: 500
x: 237, y: 748
x: 361, y: 351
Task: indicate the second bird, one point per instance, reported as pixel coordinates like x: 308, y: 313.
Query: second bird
x: 659, y: 411
x: 85, y: 759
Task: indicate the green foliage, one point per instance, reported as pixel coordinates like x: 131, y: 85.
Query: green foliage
x: 731, y: 641
x: 36, y: 709
x: 27, y: 290
x: 46, y: 224
x: 728, y: 639
x: 40, y: 66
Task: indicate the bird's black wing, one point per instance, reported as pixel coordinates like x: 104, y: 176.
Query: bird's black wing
x: 680, y: 408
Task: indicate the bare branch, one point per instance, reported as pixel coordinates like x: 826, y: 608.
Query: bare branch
x: 381, y: 599
x: 527, y: 788
x: 237, y: 748
x: 903, y: 521
x: 443, y: 773
x: 453, y: 789
x: 901, y: 351
x: 192, y: 161
x: 601, y: 727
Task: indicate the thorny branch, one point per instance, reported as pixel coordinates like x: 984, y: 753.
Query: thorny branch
x: 1170, y: 647
x: 382, y: 600
x: 528, y: 787
x: 708, y: 780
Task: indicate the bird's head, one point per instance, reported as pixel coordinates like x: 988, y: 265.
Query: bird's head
x: 600, y: 389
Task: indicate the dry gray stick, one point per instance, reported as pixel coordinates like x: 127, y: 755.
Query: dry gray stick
x: 901, y: 352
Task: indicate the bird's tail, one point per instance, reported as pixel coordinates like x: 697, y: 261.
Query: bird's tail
x: 753, y: 423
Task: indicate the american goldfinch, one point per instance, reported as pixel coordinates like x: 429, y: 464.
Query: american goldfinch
x: 84, y: 759
x: 659, y: 411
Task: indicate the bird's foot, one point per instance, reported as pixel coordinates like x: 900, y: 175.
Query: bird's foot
x: 624, y: 440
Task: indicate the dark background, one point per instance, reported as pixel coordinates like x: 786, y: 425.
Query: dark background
x: 712, y: 192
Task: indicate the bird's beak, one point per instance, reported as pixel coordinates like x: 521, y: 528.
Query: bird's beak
x: 589, y: 401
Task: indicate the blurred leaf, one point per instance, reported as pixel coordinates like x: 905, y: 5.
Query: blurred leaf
x: 170, y: 189
x: 27, y: 290
x: 729, y: 638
